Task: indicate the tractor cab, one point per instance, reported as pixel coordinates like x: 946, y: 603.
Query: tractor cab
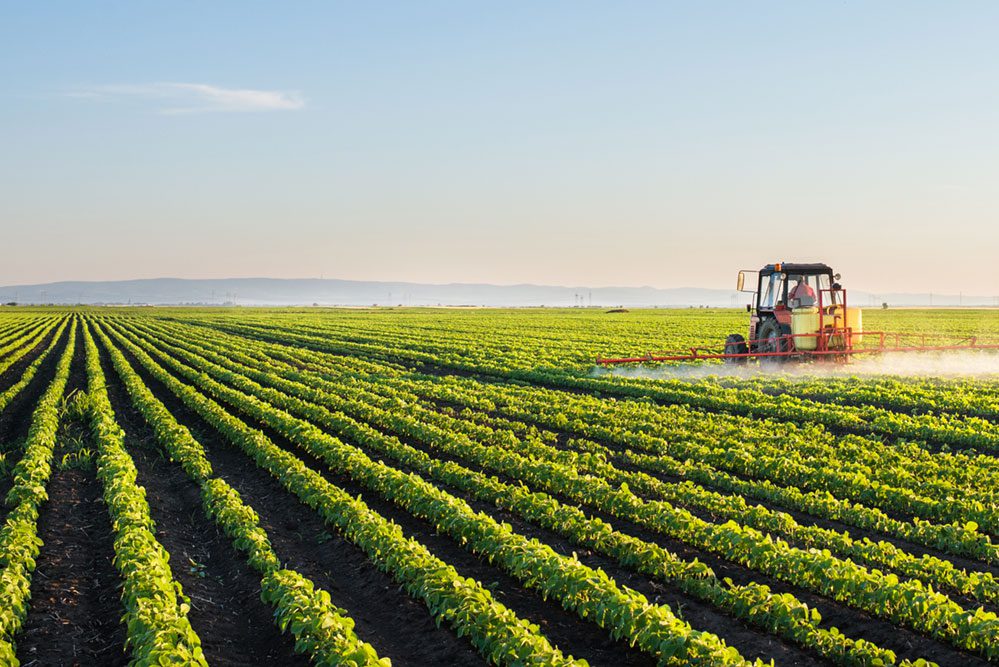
x: 790, y: 286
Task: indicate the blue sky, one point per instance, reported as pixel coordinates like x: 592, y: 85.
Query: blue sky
x: 624, y: 143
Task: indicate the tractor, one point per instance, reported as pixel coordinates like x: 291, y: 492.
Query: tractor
x: 798, y: 309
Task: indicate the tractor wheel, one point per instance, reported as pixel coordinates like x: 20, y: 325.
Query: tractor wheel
x: 769, y: 337
x: 736, y: 344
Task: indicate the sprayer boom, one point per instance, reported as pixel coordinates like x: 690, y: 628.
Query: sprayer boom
x: 883, y: 343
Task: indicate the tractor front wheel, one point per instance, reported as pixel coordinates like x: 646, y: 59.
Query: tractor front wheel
x: 736, y: 344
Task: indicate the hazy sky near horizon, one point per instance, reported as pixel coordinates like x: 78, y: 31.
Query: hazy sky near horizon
x: 574, y: 143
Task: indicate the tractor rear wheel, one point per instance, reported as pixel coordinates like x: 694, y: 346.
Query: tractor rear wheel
x: 736, y: 344
x: 770, y: 339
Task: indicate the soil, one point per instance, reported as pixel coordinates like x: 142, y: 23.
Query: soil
x: 75, y: 590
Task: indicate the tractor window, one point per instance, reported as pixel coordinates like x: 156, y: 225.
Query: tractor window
x: 772, y: 292
x: 822, y: 282
x: 807, y: 294
x: 830, y: 298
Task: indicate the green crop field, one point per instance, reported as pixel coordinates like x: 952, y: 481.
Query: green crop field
x: 466, y: 486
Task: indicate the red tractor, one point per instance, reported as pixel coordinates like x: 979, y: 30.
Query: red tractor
x: 799, y: 309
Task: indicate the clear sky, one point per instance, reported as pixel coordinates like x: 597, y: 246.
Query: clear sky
x: 574, y: 143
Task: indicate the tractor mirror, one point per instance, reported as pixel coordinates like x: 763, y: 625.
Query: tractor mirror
x: 741, y: 281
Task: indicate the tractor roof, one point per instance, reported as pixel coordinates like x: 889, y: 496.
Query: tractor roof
x: 804, y: 269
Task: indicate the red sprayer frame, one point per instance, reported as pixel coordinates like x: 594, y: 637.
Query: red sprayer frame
x: 883, y: 342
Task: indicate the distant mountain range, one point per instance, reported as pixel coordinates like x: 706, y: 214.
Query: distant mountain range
x: 293, y: 292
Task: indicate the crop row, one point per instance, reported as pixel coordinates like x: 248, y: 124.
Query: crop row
x: 710, y: 449
x: 781, y: 614
x: 883, y: 554
x: 19, y: 541
x: 321, y: 630
x: 20, y: 343
x: 501, y: 636
x: 914, y: 396
x: 591, y: 593
x: 762, y: 450
x: 11, y: 392
x: 964, y: 432
x: 908, y: 602
x: 899, y: 465
x: 158, y: 629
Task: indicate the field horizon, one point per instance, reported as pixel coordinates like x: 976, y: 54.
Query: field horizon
x: 340, y: 292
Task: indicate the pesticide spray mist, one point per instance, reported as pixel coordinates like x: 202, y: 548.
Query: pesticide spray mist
x: 970, y: 364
